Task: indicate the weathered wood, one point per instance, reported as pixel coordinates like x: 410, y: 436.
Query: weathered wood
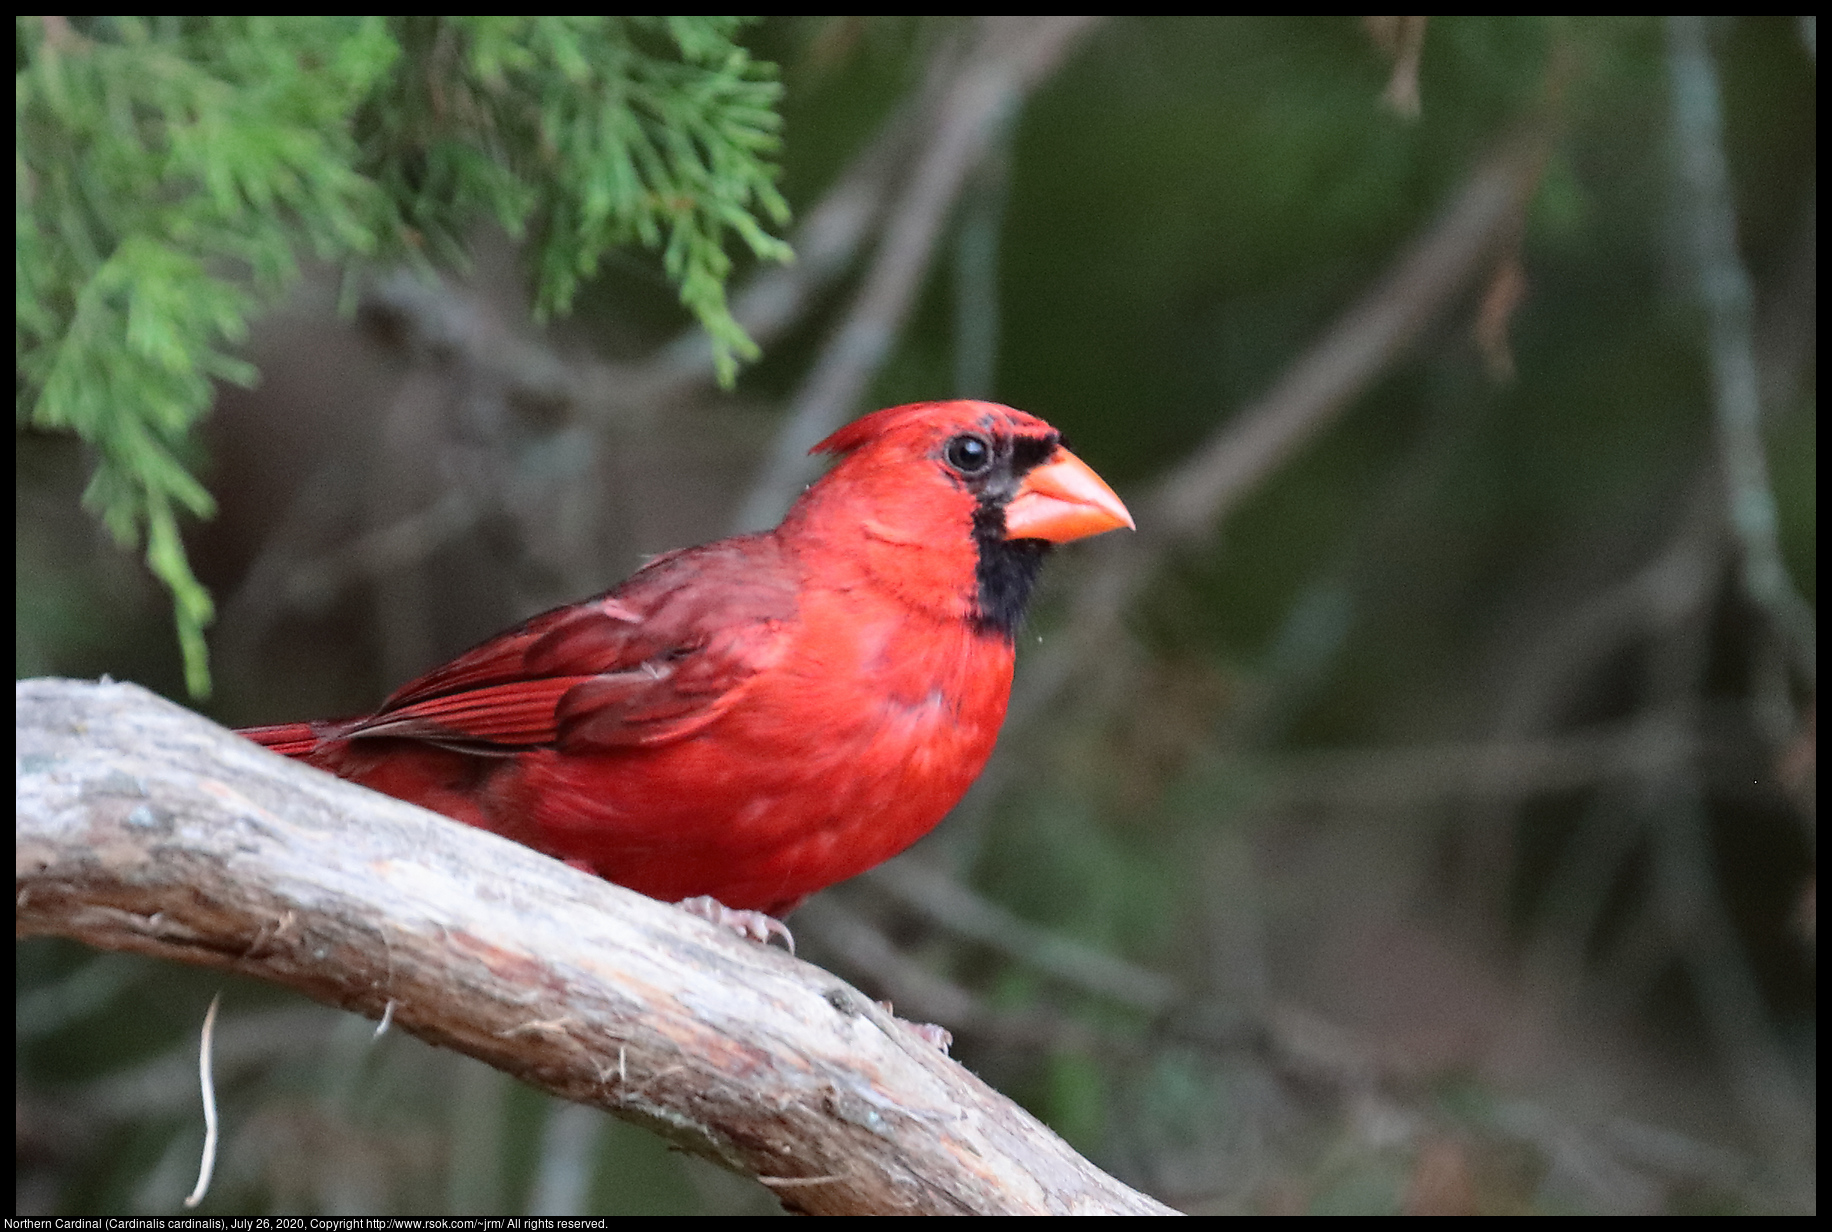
x: 144, y: 827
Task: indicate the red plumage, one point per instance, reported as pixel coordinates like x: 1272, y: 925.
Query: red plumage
x: 760, y: 717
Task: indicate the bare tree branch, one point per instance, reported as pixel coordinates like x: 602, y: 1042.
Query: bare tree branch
x: 919, y: 991
x: 1703, y: 180
x: 1187, y: 503
x: 143, y: 827
x: 1014, y: 54
x: 958, y: 909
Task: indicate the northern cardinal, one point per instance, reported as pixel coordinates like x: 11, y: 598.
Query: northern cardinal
x: 757, y: 718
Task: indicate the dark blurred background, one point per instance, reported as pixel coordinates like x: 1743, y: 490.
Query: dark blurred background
x: 1417, y: 814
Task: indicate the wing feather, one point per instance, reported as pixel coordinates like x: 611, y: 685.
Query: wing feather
x: 652, y: 661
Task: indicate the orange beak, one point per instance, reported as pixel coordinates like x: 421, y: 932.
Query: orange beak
x: 1062, y: 500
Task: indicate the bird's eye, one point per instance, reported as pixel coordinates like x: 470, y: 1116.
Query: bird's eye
x: 968, y: 454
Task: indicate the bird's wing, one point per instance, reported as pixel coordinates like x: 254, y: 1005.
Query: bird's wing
x: 651, y: 661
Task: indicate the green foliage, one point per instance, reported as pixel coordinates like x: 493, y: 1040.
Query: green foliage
x: 170, y: 170
x: 583, y: 131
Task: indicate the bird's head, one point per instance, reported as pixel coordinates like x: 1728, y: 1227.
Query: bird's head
x: 955, y: 503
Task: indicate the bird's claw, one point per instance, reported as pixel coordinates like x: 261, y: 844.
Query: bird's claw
x: 933, y: 1034
x: 751, y: 925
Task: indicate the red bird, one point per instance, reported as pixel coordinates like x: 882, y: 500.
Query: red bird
x: 757, y: 718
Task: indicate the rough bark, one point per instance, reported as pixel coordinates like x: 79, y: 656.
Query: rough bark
x: 144, y: 827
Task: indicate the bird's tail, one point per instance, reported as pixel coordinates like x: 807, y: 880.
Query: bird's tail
x: 286, y: 739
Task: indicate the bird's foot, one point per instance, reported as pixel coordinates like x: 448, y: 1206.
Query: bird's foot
x: 930, y: 1033
x: 752, y: 925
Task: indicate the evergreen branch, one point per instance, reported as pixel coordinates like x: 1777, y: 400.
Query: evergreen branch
x: 171, y: 170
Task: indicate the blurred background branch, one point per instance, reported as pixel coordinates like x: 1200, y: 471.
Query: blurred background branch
x: 1009, y: 57
x: 1703, y: 182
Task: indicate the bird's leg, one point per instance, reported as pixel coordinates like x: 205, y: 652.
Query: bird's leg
x: 753, y: 925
